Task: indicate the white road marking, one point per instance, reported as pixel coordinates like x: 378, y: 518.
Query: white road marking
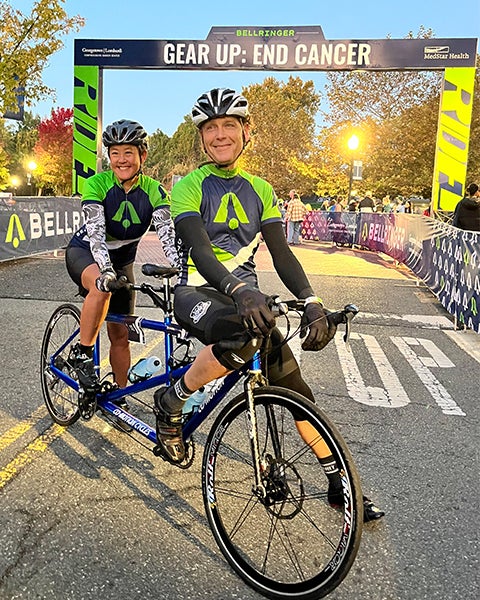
x: 431, y: 383
x: 392, y: 395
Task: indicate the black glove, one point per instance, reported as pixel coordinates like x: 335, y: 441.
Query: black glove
x: 253, y: 308
x: 320, y: 331
x: 107, y: 276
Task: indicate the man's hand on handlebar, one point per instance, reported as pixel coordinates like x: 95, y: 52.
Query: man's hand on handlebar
x: 252, y: 306
x: 320, y: 329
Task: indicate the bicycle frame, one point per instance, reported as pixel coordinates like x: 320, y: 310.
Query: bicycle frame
x: 105, y: 400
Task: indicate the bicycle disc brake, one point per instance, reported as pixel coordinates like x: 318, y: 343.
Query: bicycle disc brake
x: 284, y: 492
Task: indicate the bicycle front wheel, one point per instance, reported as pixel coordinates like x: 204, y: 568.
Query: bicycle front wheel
x: 61, y: 332
x: 283, y: 537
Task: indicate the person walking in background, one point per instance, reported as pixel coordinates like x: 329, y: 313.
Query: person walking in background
x: 296, y: 212
x: 367, y: 204
x: 467, y: 211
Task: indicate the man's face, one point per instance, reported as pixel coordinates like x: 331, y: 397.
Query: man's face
x: 125, y: 160
x: 223, y: 139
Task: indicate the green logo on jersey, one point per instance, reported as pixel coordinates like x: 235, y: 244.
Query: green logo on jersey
x: 222, y: 213
x: 126, y: 208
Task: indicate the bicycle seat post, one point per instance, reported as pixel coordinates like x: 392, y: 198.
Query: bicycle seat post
x: 168, y: 296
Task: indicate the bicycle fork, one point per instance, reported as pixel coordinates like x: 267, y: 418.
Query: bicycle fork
x: 256, y: 378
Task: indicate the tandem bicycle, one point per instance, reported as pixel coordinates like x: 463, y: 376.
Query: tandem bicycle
x: 264, y: 489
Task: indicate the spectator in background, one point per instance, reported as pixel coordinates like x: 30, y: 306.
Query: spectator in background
x: 467, y: 211
x: 283, y: 211
x: 296, y: 212
x: 353, y: 205
x: 367, y: 204
x: 387, y: 204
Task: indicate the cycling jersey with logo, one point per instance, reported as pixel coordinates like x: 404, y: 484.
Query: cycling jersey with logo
x: 233, y: 205
x: 127, y: 215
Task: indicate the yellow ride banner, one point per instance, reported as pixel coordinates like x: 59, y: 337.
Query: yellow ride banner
x: 453, y: 135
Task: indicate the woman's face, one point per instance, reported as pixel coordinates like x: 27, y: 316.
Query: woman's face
x: 126, y: 160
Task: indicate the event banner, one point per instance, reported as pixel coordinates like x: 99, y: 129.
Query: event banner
x: 261, y: 48
x: 449, y: 264
x: 453, y: 135
x: 445, y: 258
x: 32, y: 225
x: 287, y: 48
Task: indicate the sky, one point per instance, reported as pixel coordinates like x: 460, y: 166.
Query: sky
x: 159, y: 99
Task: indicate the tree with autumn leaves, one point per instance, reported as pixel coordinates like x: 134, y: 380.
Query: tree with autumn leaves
x: 53, y: 153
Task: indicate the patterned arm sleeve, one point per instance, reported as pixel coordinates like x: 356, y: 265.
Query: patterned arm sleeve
x: 163, y: 224
x: 95, y: 224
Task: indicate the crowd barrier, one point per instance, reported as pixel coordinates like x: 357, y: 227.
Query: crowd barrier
x: 31, y: 225
x: 444, y: 257
x: 447, y: 259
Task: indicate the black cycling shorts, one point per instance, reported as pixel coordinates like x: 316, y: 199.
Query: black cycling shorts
x: 212, y: 318
x: 78, y: 259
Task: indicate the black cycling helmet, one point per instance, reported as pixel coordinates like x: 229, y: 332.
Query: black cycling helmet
x: 219, y: 102
x: 125, y: 132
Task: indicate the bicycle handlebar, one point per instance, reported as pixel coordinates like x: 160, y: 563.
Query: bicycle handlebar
x: 277, y: 306
x: 119, y: 283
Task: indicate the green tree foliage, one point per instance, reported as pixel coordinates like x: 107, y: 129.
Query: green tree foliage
x: 398, y: 111
x: 17, y: 139
x: 355, y: 95
x: 177, y: 155
x: 26, y: 43
x: 4, y: 172
x: 283, y: 127
x: 53, y: 152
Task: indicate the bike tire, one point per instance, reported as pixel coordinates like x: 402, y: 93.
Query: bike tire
x: 298, y: 546
x: 61, y: 399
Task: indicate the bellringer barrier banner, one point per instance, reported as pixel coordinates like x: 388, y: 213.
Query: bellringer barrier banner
x: 447, y: 259
x: 32, y: 225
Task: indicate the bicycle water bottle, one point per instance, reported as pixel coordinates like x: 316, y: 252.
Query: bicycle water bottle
x: 144, y: 368
x: 195, y: 400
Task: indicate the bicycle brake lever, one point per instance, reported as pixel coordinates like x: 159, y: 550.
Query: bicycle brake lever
x: 349, y: 312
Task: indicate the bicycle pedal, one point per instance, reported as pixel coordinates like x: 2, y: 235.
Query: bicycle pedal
x: 87, y: 405
x: 185, y: 463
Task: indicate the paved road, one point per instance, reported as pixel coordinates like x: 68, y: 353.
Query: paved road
x: 86, y: 515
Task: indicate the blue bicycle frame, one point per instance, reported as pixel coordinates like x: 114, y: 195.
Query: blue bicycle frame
x: 105, y: 400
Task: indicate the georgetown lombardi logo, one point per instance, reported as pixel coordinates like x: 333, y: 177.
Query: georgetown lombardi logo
x: 199, y: 311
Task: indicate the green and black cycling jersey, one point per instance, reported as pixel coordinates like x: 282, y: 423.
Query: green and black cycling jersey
x: 233, y: 206
x: 116, y: 220
x: 220, y: 217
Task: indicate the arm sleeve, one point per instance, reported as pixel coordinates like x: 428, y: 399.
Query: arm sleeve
x: 194, y: 238
x: 285, y: 262
x: 166, y: 233
x: 95, y: 224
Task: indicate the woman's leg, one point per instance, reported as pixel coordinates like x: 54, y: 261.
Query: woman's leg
x: 119, y: 352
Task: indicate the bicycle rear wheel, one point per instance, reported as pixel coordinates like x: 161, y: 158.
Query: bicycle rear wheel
x: 290, y: 543
x: 61, y: 332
